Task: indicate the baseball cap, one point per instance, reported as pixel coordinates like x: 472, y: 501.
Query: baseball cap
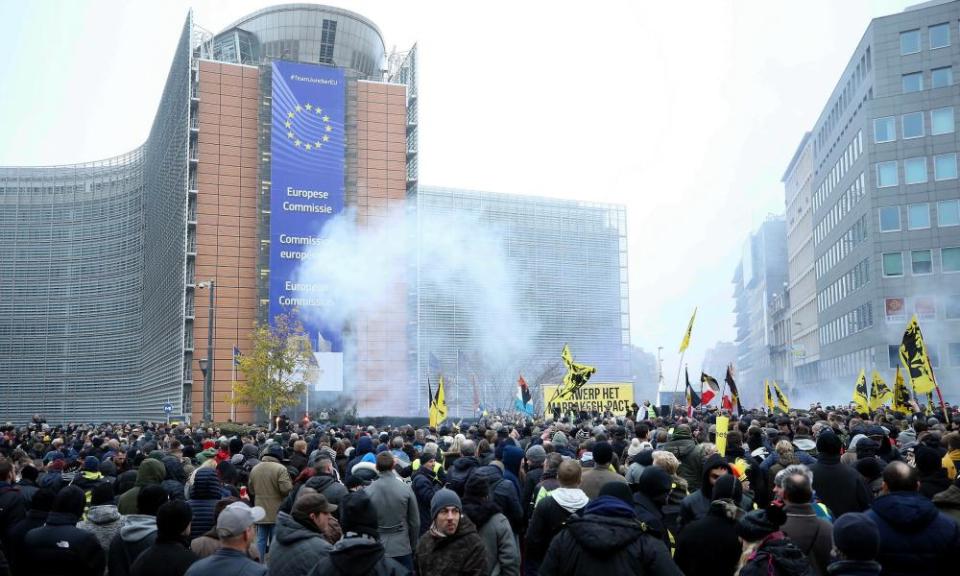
x: 236, y: 518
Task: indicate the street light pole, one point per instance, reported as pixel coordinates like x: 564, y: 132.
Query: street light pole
x: 208, y: 373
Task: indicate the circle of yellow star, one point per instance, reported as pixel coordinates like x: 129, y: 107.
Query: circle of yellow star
x: 292, y: 135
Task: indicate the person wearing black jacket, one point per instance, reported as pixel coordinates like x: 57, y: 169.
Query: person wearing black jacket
x: 13, y: 506
x: 552, y: 512
x: 535, y: 457
x: 35, y: 518
x: 425, y: 484
x: 170, y: 554
x: 607, y: 539
x: 837, y: 485
x: 59, y: 548
x: 710, y: 546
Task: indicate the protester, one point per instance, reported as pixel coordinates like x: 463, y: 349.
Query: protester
x: 299, y: 542
x: 235, y: 530
x: 812, y: 534
x: 553, y: 511
x: 170, y: 553
x: 709, y: 546
x: 856, y: 541
x: 59, y: 548
x: 398, y: 516
x: 600, y: 475
x: 139, y: 531
x: 503, y: 555
x: 269, y: 484
x: 16, y: 538
x: 839, y: 486
x: 425, y: 483
x: 451, y: 546
x: 208, y: 543
x: 205, y: 492
x: 103, y: 518
x: 766, y: 549
x: 359, y: 552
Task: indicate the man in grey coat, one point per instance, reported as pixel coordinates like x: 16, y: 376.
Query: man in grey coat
x: 398, y: 518
x: 812, y: 534
x: 299, y: 543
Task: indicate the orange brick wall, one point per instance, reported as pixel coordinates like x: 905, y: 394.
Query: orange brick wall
x: 227, y: 241
x: 381, y: 356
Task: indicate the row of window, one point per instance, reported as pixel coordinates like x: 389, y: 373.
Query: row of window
x: 939, y: 78
x: 839, y: 170
x: 846, y: 364
x: 915, y: 170
x: 844, y: 99
x: 854, y: 321
x: 913, y: 125
x: 918, y: 216
x: 855, y: 279
x: 938, y: 35
x: 933, y: 351
x: 853, y: 237
x: 921, y: 262
x: 850, y: 198
x: 925, y: 307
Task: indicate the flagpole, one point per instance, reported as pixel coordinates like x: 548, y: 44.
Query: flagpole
x: 233, y: 386
x: 673, y: 401
x: 459, y: 412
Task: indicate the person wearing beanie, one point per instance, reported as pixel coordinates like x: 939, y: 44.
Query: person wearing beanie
x: 838, y: 486
x: 397, y: 513
x: 103, y: 519
x: 688, y: 453
x: 425, y: 483
x: 299, y: 543
x: 269, y: 484
x: 766, y: 549
x: 59, y: 547
x: 360, y: 550
x: 553, y: 510
x: 452, y: 545
x: 602, y: 473
x: 710, y: 546
x: 534, y: 458
x: 933, y: 477
x: 607, y: 539
x: 915, y: 537
x: 170, y: 554
x: 139, y: 531
x: 562, y: 446
x: 504, y: 493
x: 503, y: 555
x: 856, y: 542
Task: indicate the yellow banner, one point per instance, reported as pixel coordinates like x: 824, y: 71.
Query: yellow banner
x: 723, y: 423
x: 615, y: 398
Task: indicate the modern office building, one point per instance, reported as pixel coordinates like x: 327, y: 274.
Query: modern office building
x: 563, y: 280
x: 119, y: 279
x: 759, y: 292
x: 885, y: 206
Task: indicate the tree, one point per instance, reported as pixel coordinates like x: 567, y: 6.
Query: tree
x: 277, y: 367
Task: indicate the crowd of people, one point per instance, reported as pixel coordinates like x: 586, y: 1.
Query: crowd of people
x: 813, y: 492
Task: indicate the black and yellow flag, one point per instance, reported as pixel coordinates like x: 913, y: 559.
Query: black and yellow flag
x: 860, y: 397
x: 783, y: 403
x: 686, y: 336
x: 913, y: 354
x: 879, y: 393
x: 577, y: 375
x: 768, y: 396
x: 928, y: 410
x: 901, y: 396
x: 438, y: 408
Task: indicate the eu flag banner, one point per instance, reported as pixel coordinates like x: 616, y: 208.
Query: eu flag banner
x: 307, y: 188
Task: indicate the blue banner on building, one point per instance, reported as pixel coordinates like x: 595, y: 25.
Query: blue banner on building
x: 307, y: 187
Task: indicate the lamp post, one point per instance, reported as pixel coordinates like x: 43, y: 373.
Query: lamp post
x: 206, y: 365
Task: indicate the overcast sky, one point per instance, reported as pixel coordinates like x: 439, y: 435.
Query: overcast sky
x: 686, y: 112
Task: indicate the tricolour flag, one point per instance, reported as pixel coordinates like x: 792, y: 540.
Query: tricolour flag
x: 524, y: 401
x: 686, y: 336
x: 734, y: 393
x: 692, y: 399
x: 713, y: 387
x: 901, y: 395
x: 880, y: 394
x: 914, y: 356
x: 861, y: 397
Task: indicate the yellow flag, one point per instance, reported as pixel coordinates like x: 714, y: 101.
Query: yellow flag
x: 879, y: 393
x: 913, y: 354
x: 901, y: 396
x: 576, y: 376
x: 686, y: 337
x: 767, y: 396
x: 782, y: 402
x: 929, y: 408
x: 441, y: 403
x: 860, y: 397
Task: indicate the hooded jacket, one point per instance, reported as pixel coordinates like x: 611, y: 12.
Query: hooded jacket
x: 364, y: 447
x: 548, y: 518
x: 204, y: 495
x: 460, y: 472
x: 357, y: 555
x: 295, y: 549
x: 607, y: 539
x: 697, y: 503
x: 59, y: 548
x: 138, y: 533
x: 150, y: 472
x: 710, y: 546
x: 503, y: 492
x: 15, y: 549
x: 175, y: 477
x: 915, y: 537
x: 777, y: 555
x: 503, y: 556
x: 104, y: 522
x: 461, y: 553
x: 425, y: 484
x: 164, y: 558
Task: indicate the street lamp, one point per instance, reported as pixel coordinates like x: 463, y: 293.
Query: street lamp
x: 206, y: 365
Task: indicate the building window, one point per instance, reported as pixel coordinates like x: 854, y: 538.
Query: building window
x: 892, y: 264
x: 925, y: 307
x: 921, y: 262
x: 951, y: 308
x: 939, y: 35
x: 941, y: 121
x: 913, y: 125
x: 918, y: 216
x: 884, y: 129
x: 945, y: 166
x: 328, y: 38
x: 948, y: 213
x: 954, y: 351
x: 941, y: 77
x: 886, y: 174
x: 915, y: 170
x: 912, y: 82
x: 950, y: 259
x: 893, y: 355
x: 895, y: 309
x: 890, y: 219
x: 909, y: 42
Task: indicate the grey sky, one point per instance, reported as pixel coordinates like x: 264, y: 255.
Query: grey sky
x: 687, y: 112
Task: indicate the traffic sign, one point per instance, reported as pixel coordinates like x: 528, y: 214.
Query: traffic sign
x: 168, y: 408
